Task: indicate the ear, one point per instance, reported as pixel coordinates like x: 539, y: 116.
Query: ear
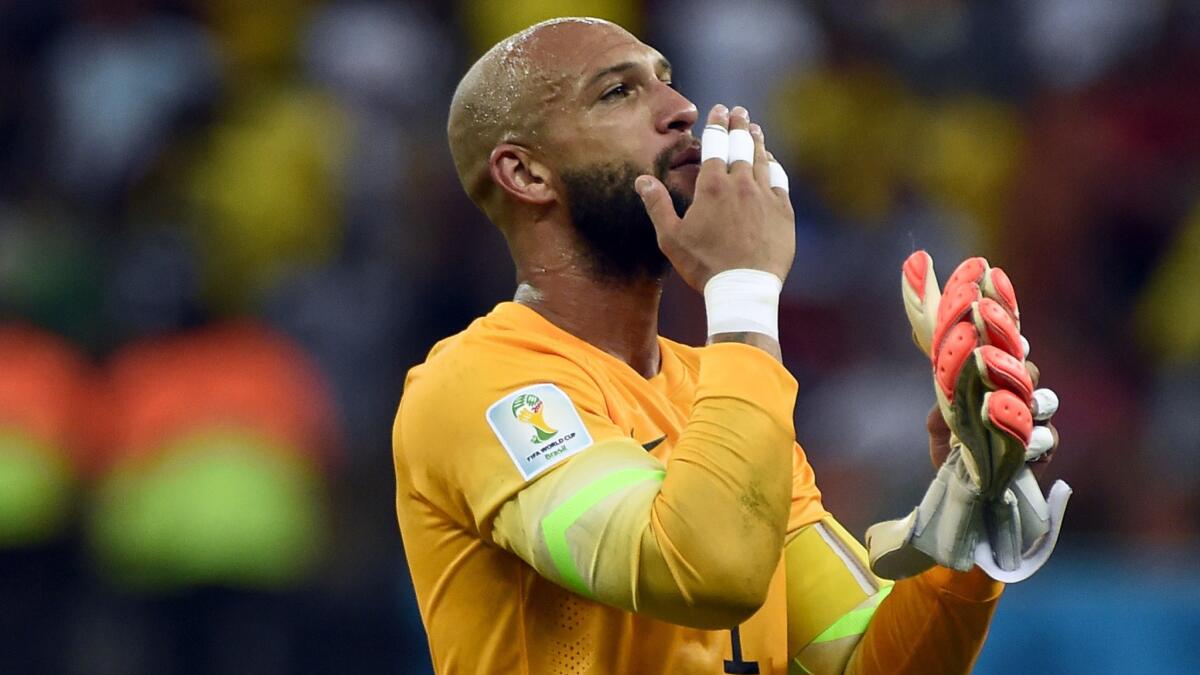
x: 520, y: 175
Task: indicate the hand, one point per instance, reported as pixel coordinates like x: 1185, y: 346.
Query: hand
x: 939, y: 432
x: 971, y: 331
x: 987, y: 434
x: 737, y: 220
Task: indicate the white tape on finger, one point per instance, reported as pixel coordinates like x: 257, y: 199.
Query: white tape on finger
x: 1045, y: 404
x: 714, y: 143
x: 1041, y: 441
x: 778, y: 176
x: 741, y: 147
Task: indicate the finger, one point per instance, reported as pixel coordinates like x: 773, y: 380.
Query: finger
x: 658, y: 204
x: 1035, y: 373
x: 1041, y: 442
x: 741, y: 143
x: 1045, y: 404
x: 1006, y: 413
x: 1011, y: 426
x: 1039, y: 463
x: 714, y: 142
x: 762, y: 165
x: 919, y: 287
x: 1001, y: 370
x: 997, y: 326
x: 1025, y: 346
x: 954, y: 352
x: 939, y: 436
x: 997, y: 286
x: 777, y: 177
x: 959, y: 293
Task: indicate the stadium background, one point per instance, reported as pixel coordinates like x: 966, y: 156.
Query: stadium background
x: 228, y: 228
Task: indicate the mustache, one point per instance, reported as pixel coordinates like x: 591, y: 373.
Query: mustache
x: 663, y: 160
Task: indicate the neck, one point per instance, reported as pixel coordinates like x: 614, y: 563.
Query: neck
x: 620, y: 318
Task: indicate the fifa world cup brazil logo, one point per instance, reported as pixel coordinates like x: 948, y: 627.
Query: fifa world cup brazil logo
x: 528, y: 409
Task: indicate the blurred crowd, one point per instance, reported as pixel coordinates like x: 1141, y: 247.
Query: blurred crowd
x: 228, y: 228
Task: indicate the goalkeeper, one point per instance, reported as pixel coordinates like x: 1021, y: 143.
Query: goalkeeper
x: 579, y: 495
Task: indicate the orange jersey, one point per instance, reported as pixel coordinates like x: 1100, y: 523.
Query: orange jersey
x: 485, y: 609
x: 526, y: 463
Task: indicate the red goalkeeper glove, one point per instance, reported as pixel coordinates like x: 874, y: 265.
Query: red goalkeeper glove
x: 984, y: 506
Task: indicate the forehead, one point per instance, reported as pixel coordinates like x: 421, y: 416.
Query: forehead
x: 575, y: 50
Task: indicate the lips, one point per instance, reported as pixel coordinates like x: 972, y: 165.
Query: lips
x: 689, y: 155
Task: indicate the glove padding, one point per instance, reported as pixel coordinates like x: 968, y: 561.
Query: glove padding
x: 984, y: 506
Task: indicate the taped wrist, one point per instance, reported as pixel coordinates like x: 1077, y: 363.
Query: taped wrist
x: 743, y: 301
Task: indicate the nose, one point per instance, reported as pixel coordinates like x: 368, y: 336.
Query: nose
x: 677, y: 112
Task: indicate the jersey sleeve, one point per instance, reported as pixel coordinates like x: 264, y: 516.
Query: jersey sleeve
x: 807, y: 507
x: 843, y: 619
x: 474, y: 431
x: 614, y: 524
x: 935, y: 622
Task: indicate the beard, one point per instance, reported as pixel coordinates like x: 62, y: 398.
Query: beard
x: 609, y: 216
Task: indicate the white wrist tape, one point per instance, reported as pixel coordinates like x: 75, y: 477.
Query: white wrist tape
x: 714, y: 143
x: 743, y: 300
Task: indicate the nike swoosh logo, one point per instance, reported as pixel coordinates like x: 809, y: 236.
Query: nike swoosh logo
x: 653, y: 444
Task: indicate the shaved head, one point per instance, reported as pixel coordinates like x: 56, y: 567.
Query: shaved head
x: 507, y: 95
x: 550, y: 128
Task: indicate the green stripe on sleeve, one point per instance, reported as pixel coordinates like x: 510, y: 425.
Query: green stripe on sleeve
x: 555, y: 525
x: 855, y: 621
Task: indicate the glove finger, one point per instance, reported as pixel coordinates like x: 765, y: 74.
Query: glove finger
x: 961, y: 291
x: 969, y: 271
x: 1010, y: 426
x: 965, y: 416
x: 997, y: 286
x: 997, y: 327
x: 1006, y: 414
x: 919, y: 286
x: 1000, y: 370
x: 955, y: 349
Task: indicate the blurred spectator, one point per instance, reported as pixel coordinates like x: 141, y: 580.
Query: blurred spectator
x: 220, y: 446
x: 46, y: 394
x: 487, y: 22
x: 118, y: 84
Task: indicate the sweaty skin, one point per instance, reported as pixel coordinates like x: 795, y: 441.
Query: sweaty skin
x: 526, y: 111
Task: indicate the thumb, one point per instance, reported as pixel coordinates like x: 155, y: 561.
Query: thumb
x: 921, y: 297
x: 658, y: 203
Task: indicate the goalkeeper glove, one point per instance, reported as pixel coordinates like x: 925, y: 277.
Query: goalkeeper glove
x: 984, y: 505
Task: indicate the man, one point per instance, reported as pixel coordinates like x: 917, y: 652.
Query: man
x: 579, y: 495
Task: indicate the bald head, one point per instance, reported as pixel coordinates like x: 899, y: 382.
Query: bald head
x: 509, y: 93
x: 549, y: 130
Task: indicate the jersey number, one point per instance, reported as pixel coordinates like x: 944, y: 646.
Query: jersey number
x: 737, y: 665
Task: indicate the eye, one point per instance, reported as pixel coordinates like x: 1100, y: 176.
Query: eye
x: 619, y: 91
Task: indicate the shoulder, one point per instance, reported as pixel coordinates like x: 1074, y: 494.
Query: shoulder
x: 470, y: 371
x: 490, y: 409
